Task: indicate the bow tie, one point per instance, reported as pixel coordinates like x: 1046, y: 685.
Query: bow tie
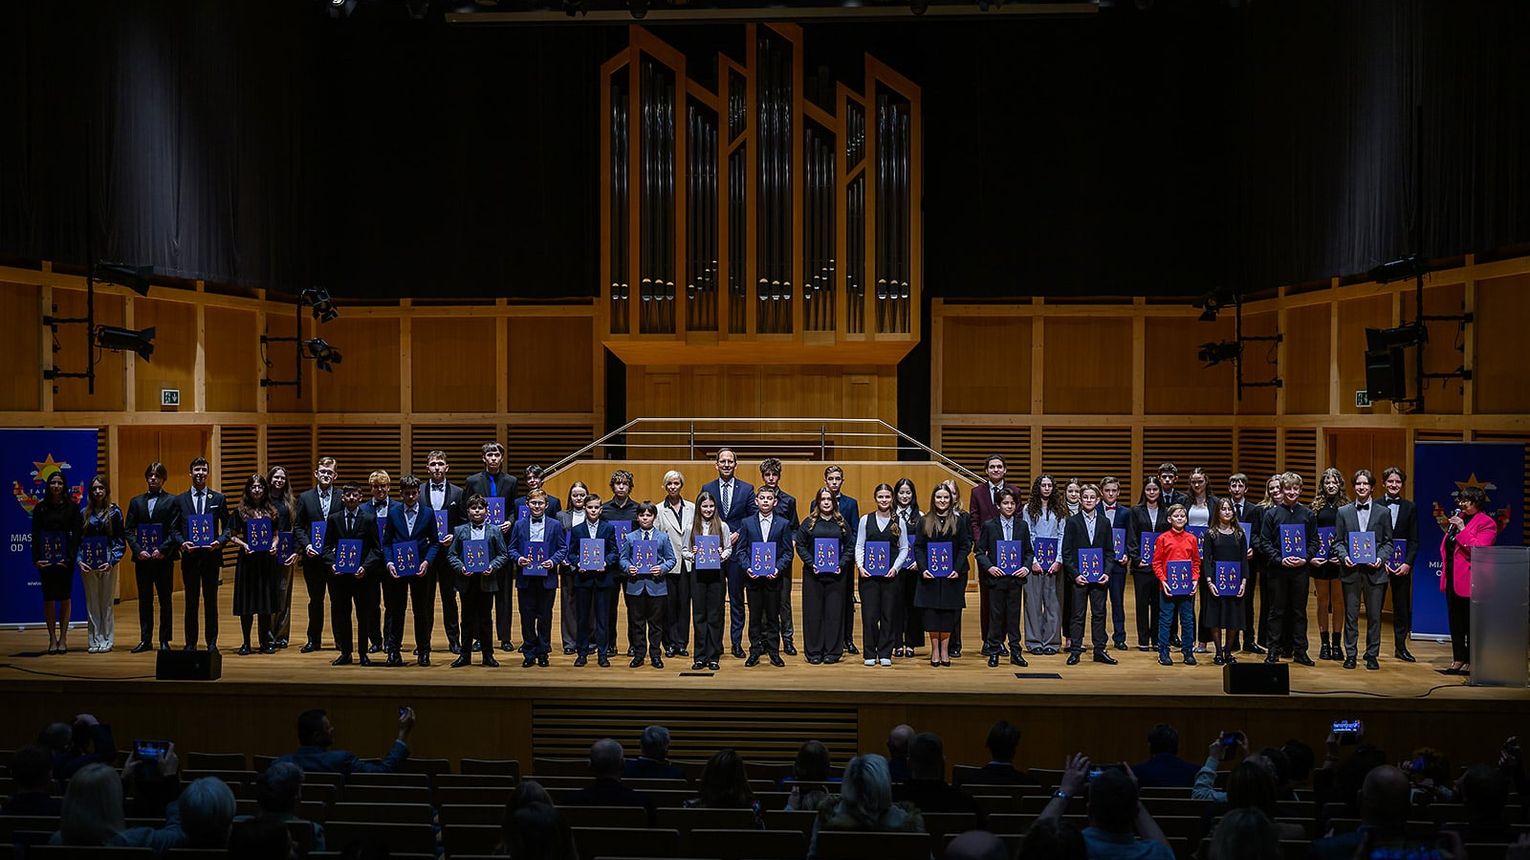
x: 1364, y: 507
x: 440, y: 488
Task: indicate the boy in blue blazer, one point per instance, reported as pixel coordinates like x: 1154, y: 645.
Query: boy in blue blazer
x: 477, y: 589
x: 411, y: 521
x: 593, y: 588
x: 535, y: 580
x: 646, y: 588
x: 764, y: 590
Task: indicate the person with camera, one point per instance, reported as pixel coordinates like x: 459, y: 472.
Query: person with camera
x: 316, y: 734
x: 1120, y: 828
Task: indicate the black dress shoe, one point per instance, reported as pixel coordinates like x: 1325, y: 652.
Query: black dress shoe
x: 507, y: 645
x: 280, y: 643
x: 945, y: 664
x: 375, y: 649
x: 752, y: 660
x: 1017, y: 658
x: 268, y: 648
x: 1324, y: 653
x: 395, y: 658
x: 308, y: 648
x: 542, y: 660
x: 1101, y: 656
x: 425, y: 658
x: 790, y: 649
x: 1049, y: 651
x: 477, y: 646
x: 1072, y: 658
x: 657, y: 661
x: 669, y: 652
x: 582, y: 660
x: 1253, y: 648
x: 604, y: 662
x: 364, y: 660
x: 738, y: 652
x: 528, y: 662
x: 1349, y: 662
x: 682, y: 652
x: 1190, y: 659
x: 1403, y: 655
x: 775, y: 660
x: 462, y: 660
x: 993, y: 660
x: 851, y: 649
x: 489, y: 660
x: 1303, y: 659
x: 1271, y: 657
x: 698, y: 665
x: 712, y: 666
x: 1120, y: 646
x: 567, y: 650
x: 342, y: 660
x: 831, y: 659
x: 1163, y: 659
x: 244, y: 650
x: 141, y: 647
x: 164, y: 646
x: 636, y: 662
x: 631, y: 652
x: 1373, y: 664
x: 956, y: 653
x: 815, y: 660
x: 189, y: 646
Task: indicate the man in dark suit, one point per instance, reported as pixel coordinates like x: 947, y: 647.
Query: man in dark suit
x: 477, y: 588
x: 1003, y: 741
x: 1164, y: 768
x: 536, y: 582
x: 1248, y: 512
x: 153, y: 565
x: 834, y: 479
x: 316, y: 734
x: 493, y: 482
x: 593, y: 589
x: 606, y: 761
x: 1118, y: 516
x: 1006, y: 588
x: 1087, y: 530
x: 350, y: 521
x: 201, y: 566
x: 735, y: 502
x: 927, y: 787
x: 315, y: 505
x: 411, y: 520
x: 1289, y: 576
x: 369, y: 592
x: 786, y: 506
x: 982, y: 506
x: 446, y: 500
x: 1405, y: 530
x: 653, y: 763
x: 764, y: 590
x: 1367, y: 582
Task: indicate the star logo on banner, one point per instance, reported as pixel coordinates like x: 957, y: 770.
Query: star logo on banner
x: 1474, y: 481
x: 46, y: 468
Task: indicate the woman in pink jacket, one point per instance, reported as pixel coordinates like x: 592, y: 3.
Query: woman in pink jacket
x: 1470, y: 526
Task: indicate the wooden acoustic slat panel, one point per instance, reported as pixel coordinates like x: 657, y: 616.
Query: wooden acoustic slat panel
x: 1522, y: 439
x: 543, y: 444
x: 1210, y: 448
x: 972, y: 446
x: 462, y: 444
x: 1256, y: 457
x: 291, y: 447
x: 359, y: 450
x: 1301, y: 456
x: 1086, y: 453
x: 120, y: 494
x: 566, y: 729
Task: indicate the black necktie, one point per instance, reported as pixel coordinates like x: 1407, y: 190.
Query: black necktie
x: 994, y: 491
x: 350, y: 522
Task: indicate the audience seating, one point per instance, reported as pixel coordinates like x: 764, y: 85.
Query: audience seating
x: 215, y: 761
x: 454, y: 814
x: 604, y: 816
x: 487, y: 766
x: 845, y: 845
x: 470, y: 839
x: 747, y: 844
x: 77, y: 852
x: 800, y: 820
x: 383, y: 813
x: 686, y: 820
x: 627, y: 841
x: 417, y: 838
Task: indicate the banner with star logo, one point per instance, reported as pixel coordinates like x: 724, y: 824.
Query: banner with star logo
x: 30, y: 458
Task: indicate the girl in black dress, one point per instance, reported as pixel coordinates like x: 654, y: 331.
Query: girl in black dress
x: 1224, y: 541
x: 941, y: 597
x: 56, y: 518
x: 908, y: 624
x: 256, y: 574
x: 1325, y: 572
x: 823, y: 608
x: 285, y: 502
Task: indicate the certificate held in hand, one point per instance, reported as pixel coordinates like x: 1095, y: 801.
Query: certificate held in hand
x: 150, y: 537
x: 1046, y: 551
x: 1229, y: 578
x: 199, y: 529
x: 825, y: 556
x: 1362, y: 547
x: 1248, y: 532
x: 443, y: 525
x: 645, y: 555
x: 348, y: 555
x: 1399, y: 555
x: 259, y: 534
x: 762, y: 559
x: 1325, y: 536
x: 1178, y: 578
x: 55, y: 546
x: 592, y: 554
x: 1009, y: 557
x: 406, y: 558
x: 284, y: 544
x: 878, y: 558
x: 316, y: 533
x: 621, y: 527
x: 536, y: 551
x: 1091, y: 564
x: 1118, y: 542
x: 93, y: 551
x: 941, y: 564
x: 1293, y: 540
x: 1148, y: 541
x: 1200, y: 536
x: 475, y: 556
x: 708, y: 552
x: 496, y: 505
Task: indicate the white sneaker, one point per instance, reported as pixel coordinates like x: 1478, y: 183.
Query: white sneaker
x: 886, y: 661
x: 871, y: 661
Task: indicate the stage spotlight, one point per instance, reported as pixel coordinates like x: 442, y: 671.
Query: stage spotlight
x: 1216, y: 353
x: 1410, y: 266
x: 1212, y: 303
x: 322, y: 353
x: 919, y: 7
x: 126, y: 340
x: 135, y: 278
x: 638, y: 8
x: 317, y: 299
x: 1402, y: 337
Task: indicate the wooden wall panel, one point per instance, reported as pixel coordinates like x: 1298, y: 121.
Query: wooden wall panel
x: 1503, y: 317
x: 462, y: 445
x: 1259, y: 364
x: 1209, y: 448
x: 972, y: 446
x: 451, y: 360
x: 358, y: 450
x: 232, y: 384
x: 1256, y: 457
x: 291, y: 447
x: 1301, y: 457
x: 1177, y: 381
x: 1076, y: 381
x: 1352, y: 449
x: 1085, y: 453
x: 542, y: 444
x: 72, y: 394
x: 175, y: 351
x: 1307, y: 360
x: 285, y: 367
x: 986, y: 365
x: 1355, y: 316
x: 544, y: 347
x: 367, y: 380
x: 1443, y: 353
x: 21, y: 307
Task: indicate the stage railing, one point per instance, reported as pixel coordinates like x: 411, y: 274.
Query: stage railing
x: 750, y: 438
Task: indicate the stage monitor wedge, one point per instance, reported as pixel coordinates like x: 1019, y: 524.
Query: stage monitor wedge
x: 1256, y: 679
x: 188, y: 666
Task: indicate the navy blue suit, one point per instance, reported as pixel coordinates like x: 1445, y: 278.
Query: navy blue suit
x: 593, y: 590
x: 1120, y: 519
x: 344, y: 762
x: 410, y: 585
x: 537, y: 590
x: 740, y: 505
x: 201, y: 569
x: 343, y: 587
x: 851, y: 511
x: 764, y: 592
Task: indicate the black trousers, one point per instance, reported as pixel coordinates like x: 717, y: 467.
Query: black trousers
x: 444, y: 576
x: 1003, y: 616
x: 200, y: 570
x: 880, y: 609
x: 316, y: 581
x: 536, y: 618
x: 476, y: 623
x: 985, y: 598
x: 569, y: 627
x: 395, y: 594
x: 1266, y: 601
x: 1256, y: 622
x: 1458, y: 613
x: 1116, y: 591
x: 677, y: 611
x: 910, y: 620
x: 1402, y: 609
x: 645, y: 624
x: 591, y: 611
x: 1145, y: 591
x: 342, y: 598
x: 1065, y: 602
x: 156, y: 579
x: 764, y: 619
x: 822, y: 616
x: 847, y: 594
x: 420, y: 593
x: 1204, y: 633
x: 503, y: 607
x: 368, y: 597
x: 788, y: 626
x: 707, y: 615
x: 1289, y: 587
x: 1092, y: 599
x: 281, y: 619
x: 736, y: 602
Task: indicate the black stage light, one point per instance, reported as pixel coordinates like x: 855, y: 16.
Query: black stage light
x: 1401, y: 337
x: 135, y: 278
x: 322, y: 353
x: 638, y: 8
x: 1216, y: 353
x: 1410, y: 266
x: 126, y: 340
x: 317, y: 299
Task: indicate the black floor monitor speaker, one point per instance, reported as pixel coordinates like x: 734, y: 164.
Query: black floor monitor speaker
x: 1256, y: 679
x: 188, y: 666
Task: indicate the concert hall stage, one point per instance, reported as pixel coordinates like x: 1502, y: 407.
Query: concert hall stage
x: 518, y: 712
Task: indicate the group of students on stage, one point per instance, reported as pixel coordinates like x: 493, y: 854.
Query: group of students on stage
x: 1045, y: 560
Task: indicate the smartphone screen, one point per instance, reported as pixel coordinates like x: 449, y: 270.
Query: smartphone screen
x: 150, y: 749
x: 1346, y: 727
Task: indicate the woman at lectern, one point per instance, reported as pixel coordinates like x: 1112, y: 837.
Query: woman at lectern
x: 1470, y: 526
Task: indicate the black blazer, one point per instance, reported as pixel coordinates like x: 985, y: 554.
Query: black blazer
x: 589, y: 578
x: 1141, y: 523
x: 499, y: 558
x: 806, y: 539
x: 1406, y: 527
x: 1380, y: 524
x: 505, y: 486
x: 217, y: 505
x: 455, y: 506
x: 309, y: 511
x: 365, y: 530
x: 988, y: 548
x: 165, y: 515
x: 1076, y: 537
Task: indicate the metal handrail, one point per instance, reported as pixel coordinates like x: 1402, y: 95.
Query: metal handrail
x: 821, y: 425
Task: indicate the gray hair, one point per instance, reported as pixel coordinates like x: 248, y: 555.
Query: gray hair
x: 1247, y: 834
x: 606, y: 757
x: 207, y: 812
x: 655, y: 741
x: 866, y: 793
x: 279, y: 787
x: 92, y: 813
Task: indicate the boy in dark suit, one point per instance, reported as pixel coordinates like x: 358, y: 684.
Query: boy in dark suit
x: 735, y: 501
x: 411, y: 521
x: 315, y: 506
x: 477, y: 589
x: 1367, y: 582
x: 764, y: 591
x: 370, y: 592
x: 834, y: 478
x: 447, y: 501
x: 620, y: 508
x: 1289, y: 577
x: 1404, y: 527
x: 153, y: 565
x: 1004, y: 589
x: 1119, y: 516
x: 352, y: 521
x: 983, y: 506
x: 201, y: 566
x: 1247, y: 512
x: 537, y: 581
x: 1087, y: 530
x: 786, y: 506
x: 593, y: 589
x: 491, y: 483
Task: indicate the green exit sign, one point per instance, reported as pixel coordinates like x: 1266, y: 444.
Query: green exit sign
x: 170, y: 397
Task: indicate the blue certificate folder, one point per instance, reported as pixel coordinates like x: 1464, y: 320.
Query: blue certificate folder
x: 406, y: 558
x: 825, y: 555
x: 708, y: 552
x: 1248, y: 532
x: 150, y: 537
x: 1118, y: 542
x: 93, y: 552
x: 1149, y: 540
x: 259, y: 533
x: 941, y: 563
x: 592, y: 554
x: 496, y: 505
x: 1046, y: 551
x: 1091, y: 564
x: 1325, y: 536
x: 621, y: 527
x: 762, y: 558
x: 199, y: 529
x: 1362, y: 547
x: 536, y: 551
x: 443, y: 526
x: 878, y: 558
x: 284, y: 544
x: 1229, y: 577
x: 316, y: 534
x: 348, y: 555
x: 1200, y: 534
x: 55, y: 547
x: 1178, y: 578
x: 1399, y: 552
x: 645, y: 554
x: 1293, y: 540
x: 1010, y: 557
x: 475, y: 556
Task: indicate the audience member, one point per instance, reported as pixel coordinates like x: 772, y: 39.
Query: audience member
x: 1383, y: 816
x: 1052, y: 839
x: 1484, y: 792
x: 1164, y: 768
x: 85, y: 741
x: 278, y: 792
x: 865, y: 804
x: 653, y: 763
x: 1429, y: 773
x: 92, y: 815
x: 1003, y: 741
x: 810, y: 777
x: 316, y: 734
x: 725, y: 785
x: 207, y: 809
x: 897, y: 751
x: 976, y: 845
x: 263, y: 838
x: 1120, y: 828
x: 1252, y: 785
x: 1246, y: 834
x: 533, y: 829
x: 1301, y: 759
x: 32, y: 784
x: 927, y: 788
x: 606, y: 760
x: 151, y: 783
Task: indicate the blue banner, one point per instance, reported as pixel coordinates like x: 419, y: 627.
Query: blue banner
x: 1441, y: 468
x: 29, y: 458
